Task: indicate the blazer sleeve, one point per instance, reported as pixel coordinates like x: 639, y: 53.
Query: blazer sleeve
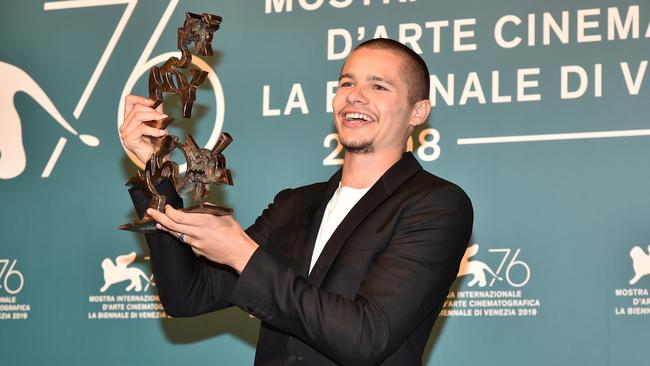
x: 188, y: 285
x: 404, y: 286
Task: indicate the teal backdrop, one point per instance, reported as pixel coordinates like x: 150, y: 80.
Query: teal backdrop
x: 540, y: 113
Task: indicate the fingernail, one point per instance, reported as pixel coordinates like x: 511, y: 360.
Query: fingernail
x: 164, y: 115
x: 149, y: 211
x: 158, y: 226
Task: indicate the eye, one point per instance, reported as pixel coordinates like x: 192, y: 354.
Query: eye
x: 345, y: 84
x: 379, y: 87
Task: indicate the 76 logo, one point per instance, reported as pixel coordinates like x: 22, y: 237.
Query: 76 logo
x: 144, y: 63
x: 10, y: 279
x: 515, y: 271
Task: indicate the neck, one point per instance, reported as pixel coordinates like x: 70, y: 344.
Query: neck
x: 363, y: 170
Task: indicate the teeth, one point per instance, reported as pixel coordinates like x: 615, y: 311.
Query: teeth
x: 351, y: 116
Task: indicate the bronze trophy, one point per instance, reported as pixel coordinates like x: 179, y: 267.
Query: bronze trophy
x: 204, y: 167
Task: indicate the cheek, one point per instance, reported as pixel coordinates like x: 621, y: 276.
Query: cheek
x: 339, y: 98
x: 396, y: 110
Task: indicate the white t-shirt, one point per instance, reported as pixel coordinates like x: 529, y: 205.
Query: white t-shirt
x: 337, y: 208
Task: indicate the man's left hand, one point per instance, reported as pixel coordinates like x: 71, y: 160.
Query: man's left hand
x: 217, y: 238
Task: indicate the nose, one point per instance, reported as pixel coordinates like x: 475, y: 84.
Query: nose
x: 357, y: 96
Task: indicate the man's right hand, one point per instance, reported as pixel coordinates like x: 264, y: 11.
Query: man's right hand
x: 135, y: 135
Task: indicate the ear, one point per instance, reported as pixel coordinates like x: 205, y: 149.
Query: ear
x: 420, y: 112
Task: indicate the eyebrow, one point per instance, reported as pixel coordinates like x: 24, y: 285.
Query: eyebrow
x: 369, y: 78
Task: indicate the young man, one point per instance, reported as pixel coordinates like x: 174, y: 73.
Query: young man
x: 352, y: 271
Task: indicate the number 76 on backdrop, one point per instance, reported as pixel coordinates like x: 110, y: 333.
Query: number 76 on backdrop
x: 144, y: 62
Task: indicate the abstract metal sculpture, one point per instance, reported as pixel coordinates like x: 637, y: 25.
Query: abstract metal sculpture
x: 204, y: 167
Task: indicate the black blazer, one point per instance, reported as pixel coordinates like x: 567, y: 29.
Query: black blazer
x: 375, y: 291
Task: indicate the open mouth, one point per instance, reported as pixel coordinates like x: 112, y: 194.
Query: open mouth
x: 356, y: 118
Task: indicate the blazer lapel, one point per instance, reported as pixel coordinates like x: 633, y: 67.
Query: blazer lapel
x: 302, y: 260
x: 394, y: 177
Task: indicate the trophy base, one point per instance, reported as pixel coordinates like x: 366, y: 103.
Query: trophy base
x: 147, y: 225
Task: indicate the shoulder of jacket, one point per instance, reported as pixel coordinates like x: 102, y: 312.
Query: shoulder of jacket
x: 302, y: 192
x: 428, y: 184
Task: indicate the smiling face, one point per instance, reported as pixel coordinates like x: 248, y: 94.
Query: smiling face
x: 372, y: 111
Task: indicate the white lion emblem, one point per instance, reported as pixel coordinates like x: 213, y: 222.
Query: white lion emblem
x: 640, y: 263
x: 475, y: 268
x: 118, y: 272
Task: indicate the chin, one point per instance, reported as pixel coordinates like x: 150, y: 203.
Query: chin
x: 358, y: 147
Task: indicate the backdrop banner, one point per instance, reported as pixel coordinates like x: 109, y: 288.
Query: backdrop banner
x: 540, y: 112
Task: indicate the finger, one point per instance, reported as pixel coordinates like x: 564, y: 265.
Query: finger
x: 162, y: 228
x: 135, y: 140
x: 173, y: 233
x: 132, y: 126
x: 128, y: 116
x: 170, y: 224
x: 140, y: 116
x: 130, y: 101
x: 140, y: 108
x: 181, y: 217
x: 136, y: 137
x: 145, y: 130
x: 185, y: 240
